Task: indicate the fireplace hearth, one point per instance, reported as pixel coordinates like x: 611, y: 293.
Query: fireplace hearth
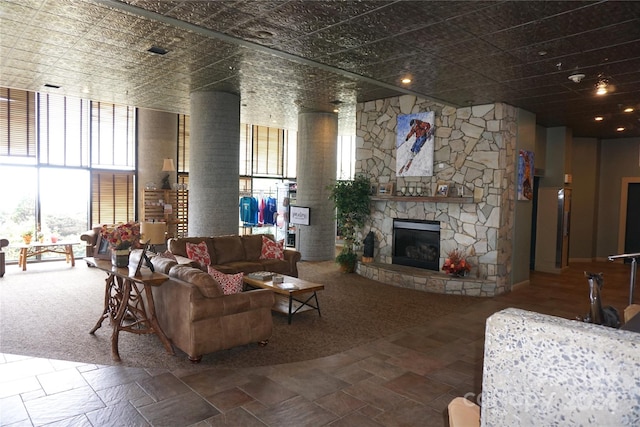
x: 416, y: 243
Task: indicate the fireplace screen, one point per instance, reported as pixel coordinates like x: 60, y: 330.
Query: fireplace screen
x: 416, y: 243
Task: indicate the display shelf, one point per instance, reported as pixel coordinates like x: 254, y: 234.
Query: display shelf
x: 156, y: 208
x: 423, y: 199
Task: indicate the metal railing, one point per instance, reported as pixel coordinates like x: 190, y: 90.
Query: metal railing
x: 634, y: 269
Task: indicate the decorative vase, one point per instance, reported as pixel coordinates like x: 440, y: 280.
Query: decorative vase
x: 120, y: 257
x: 27, y: 240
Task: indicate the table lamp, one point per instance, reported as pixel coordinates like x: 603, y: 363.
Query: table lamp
x: 154, y: 232
x: 167, y: 166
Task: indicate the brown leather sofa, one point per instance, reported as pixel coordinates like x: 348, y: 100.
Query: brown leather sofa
x: 235, y: 254
x: 199, y: 319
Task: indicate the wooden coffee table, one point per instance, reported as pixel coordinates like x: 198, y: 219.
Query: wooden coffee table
x: 300, y: 295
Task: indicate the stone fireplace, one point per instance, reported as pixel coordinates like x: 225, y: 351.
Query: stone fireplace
x: 416, y: 243
x: 474, y: 149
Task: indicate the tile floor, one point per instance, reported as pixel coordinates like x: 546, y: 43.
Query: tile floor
x: 402, y: 380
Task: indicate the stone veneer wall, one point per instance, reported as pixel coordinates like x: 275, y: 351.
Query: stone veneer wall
x: 474, y: 147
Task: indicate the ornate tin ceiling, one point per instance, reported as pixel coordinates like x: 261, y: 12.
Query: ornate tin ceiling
x: 284, y: 57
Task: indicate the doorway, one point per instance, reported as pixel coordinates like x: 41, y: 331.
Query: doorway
x: 629, y: 229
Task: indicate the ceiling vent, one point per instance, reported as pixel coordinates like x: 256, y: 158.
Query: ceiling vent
x: 157, y: 50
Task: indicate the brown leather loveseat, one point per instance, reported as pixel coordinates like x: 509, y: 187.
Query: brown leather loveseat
x: 199, y: 319
x: 234, y: 254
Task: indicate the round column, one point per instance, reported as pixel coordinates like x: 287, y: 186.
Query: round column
x: 214, y: 164
x: 317, y: 163
x: 157, y: 141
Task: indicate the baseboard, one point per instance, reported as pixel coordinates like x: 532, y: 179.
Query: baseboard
x: 520, y: 284
x: 582, y: 260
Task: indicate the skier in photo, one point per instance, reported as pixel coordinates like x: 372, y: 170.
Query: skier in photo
x: 422, y: 131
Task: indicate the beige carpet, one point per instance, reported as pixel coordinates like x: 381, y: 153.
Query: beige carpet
x: 48, y: 310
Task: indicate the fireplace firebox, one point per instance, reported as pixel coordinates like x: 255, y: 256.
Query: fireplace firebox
x: 416, y: 243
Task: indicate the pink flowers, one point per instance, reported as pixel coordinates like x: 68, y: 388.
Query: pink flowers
x: 455, y: 263
x: 121, y: 236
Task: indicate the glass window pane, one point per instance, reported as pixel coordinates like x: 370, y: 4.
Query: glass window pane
x: 63, y: 130
x: 62, y: 216
x: 112, y: 136
x: 18, y: 207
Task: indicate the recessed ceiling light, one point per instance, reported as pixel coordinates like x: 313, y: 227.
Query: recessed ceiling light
x: 628, y: 110
x: 336, y: 110
x: 620, y: 129
x: 406, y: 80
x: 542, y: 52
x: 602, y: 87
x: 598, y: 118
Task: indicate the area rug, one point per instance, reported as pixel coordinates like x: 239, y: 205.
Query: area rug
x: 48, y: 311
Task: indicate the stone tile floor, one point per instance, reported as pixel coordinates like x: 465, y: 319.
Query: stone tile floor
x: 406, y: 379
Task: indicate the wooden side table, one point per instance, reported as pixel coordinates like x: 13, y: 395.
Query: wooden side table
x: 34, y: 249
x: 124, y: 305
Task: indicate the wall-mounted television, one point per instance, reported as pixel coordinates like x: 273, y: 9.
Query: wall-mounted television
x: 299, y: 215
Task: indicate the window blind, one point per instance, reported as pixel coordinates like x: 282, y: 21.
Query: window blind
x: 112, y: 197
x: 183, y: 143
x: 18, y: 124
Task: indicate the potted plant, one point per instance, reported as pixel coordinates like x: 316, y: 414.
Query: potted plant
x: 352, y: 199
x: 456, y: 264
x: 27, y: 236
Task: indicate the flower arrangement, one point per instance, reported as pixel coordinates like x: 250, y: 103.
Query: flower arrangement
x: 121, y: 236
x: 455, y: 263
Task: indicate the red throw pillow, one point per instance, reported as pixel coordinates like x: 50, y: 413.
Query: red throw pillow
x: 230, y: 283
x: 198, y: 252
x: 271, y: 249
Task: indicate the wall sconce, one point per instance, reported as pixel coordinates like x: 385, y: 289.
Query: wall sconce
x: 167, y: 166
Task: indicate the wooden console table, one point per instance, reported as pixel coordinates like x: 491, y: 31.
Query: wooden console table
x: 33, y: 249
x: 124, y: 305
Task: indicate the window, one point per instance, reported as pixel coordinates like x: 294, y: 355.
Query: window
x: 112, y: 136
x: 63, y: 130
x: 346, y: 157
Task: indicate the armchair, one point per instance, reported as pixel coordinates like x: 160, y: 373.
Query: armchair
x: 91, y: 239
x: 3, y: 243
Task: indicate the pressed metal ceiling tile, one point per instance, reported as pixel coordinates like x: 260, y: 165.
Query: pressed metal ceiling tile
x: 82, y: 43
x: 466, y: 50
x: 82, y: 11
x: 310, y: 16
x: 435, y: 37
x: 364, y: 58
